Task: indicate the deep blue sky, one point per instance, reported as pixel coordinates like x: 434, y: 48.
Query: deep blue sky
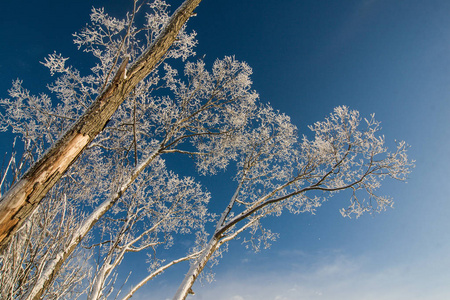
x: 391, y: 58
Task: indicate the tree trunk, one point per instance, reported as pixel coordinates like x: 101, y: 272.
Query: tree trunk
x: 97, y: 285
x: 186, y: 286
x: 25, y: 195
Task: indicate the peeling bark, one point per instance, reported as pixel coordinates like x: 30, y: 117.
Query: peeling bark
x: 18, y: 203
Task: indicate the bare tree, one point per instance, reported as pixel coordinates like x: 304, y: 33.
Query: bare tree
x: 276, y: 173
x: 24, y: 196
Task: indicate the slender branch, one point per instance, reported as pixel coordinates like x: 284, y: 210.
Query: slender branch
x: 227, y: 210
x: 183, y: 152
x: 263, y: 204
x: 11, y: 161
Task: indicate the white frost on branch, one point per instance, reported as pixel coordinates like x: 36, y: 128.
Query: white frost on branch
x: 55, y: 63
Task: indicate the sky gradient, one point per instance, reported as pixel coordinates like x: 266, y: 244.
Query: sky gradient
x: 391, y: 58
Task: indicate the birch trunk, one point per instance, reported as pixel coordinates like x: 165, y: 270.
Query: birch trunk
x: 97, y: 285
x: 195, y: 270
x: 214, y: 244
x: 100, y: 278
x: 18, y: 203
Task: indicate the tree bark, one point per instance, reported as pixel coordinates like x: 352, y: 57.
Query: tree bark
x: 18, y: 203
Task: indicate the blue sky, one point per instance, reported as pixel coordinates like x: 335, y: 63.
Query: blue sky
x: 391, y: 58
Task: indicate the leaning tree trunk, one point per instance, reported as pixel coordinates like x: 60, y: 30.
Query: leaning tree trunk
x: 25, y: 195
x: 185, y: 287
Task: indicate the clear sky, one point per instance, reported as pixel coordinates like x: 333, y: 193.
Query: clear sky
x: 387, y: 57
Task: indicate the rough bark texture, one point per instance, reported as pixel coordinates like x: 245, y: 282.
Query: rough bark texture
x: 25, y: 195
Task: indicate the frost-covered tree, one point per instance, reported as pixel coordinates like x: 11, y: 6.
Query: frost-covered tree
x: 24, y: 196
x: 200, y: 113
x: 277, y: 173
